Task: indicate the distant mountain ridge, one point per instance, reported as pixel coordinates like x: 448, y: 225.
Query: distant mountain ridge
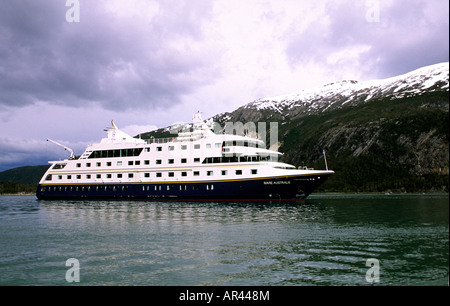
x: 25, y: 175
x: 21, y: 179
x: 390, y: 134
x: 434, y: 78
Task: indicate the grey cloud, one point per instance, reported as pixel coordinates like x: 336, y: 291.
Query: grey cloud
x: 29, y: 152
x: 410, y: 37
x: 121, y: 64
x: 409, y: 34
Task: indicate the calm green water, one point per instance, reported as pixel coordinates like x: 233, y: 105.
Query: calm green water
x: 325, y: 240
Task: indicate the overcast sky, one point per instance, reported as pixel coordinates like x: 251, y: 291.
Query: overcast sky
x: 66, y: 70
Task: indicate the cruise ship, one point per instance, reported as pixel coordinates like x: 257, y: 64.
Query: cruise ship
x: 196, y: 165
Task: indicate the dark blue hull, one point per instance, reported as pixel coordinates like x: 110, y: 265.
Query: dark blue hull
x: 281, y: 188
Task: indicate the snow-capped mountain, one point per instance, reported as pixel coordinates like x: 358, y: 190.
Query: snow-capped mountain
x: 350, y: 92
x: 388, y: 134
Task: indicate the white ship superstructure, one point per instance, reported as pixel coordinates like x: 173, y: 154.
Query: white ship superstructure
x: 195, y: 165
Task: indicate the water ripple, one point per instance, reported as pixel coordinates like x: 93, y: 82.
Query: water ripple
x: 325, y: 240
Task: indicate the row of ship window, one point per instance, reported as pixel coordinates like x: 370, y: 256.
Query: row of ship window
x: 147, y: 174
x: 171, y: 161
x: 124, y: 188
x: 132, y: 162
x: 137, y: 151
